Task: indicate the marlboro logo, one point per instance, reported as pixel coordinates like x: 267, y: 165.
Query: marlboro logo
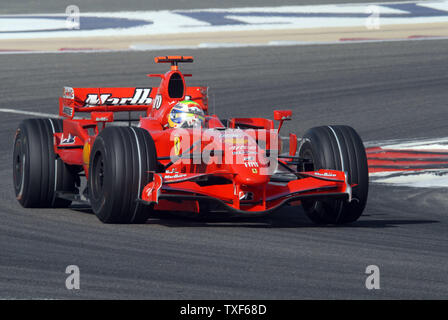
x: 140, y: 97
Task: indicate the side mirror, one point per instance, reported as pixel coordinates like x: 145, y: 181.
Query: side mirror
x: 280, y: 115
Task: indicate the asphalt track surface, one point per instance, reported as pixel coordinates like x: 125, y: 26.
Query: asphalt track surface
x: 384, y: 90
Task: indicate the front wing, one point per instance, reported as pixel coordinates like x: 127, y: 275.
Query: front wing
x: 315, y: 185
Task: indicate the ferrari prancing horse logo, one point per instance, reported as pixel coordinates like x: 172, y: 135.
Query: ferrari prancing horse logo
x: 176, y: 146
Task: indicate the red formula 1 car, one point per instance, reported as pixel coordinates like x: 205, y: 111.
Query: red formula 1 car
x: 127, y: 172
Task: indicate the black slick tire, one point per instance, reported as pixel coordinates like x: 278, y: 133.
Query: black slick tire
x: 120, y: 163
x: 337, y: 148
x: 38, y: 173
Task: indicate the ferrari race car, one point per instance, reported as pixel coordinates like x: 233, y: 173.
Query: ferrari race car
x: 202, y: 164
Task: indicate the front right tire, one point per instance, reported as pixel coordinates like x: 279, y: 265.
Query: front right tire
x: 338, y: 148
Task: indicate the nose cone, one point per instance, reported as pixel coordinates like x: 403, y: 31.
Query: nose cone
x: 251, y: 176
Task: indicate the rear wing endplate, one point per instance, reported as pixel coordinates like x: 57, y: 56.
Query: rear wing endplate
x: 75, y: 100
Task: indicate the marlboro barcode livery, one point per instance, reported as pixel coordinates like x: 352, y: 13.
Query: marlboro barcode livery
x: 182, y: 158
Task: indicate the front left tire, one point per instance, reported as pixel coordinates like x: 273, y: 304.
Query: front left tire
x: 121, y: 164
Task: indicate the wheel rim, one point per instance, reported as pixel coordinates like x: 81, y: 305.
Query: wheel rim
x: 19, y: 167
x: 319, y: 206
x: 97, y: 175
x: 308, y: 155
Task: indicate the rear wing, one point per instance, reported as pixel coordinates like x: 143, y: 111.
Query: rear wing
x: 76, y: 100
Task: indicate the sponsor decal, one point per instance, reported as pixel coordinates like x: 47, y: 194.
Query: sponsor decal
x: 86, y: 153
x: 244, y: 152
x: 68, y: 140
x: 99, y: 119
x: 235, y: 140
x: 251, y: 164
x: 140, y: 97
x: 68, y: 93
x: 325, y: 174
x: 176, y: 176
x: 68, y: 111
x: 102, y: 116
x: 232, y: 133
x: 157, y: 102
x: 254, y: 170
x: 244, y: 147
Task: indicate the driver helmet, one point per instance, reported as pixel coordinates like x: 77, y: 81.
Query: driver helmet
x: 186, y: 114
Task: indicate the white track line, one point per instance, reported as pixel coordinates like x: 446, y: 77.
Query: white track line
x: 31, y: 113
x: 146, y: 47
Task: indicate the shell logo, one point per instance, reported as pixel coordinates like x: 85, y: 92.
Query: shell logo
x: 86, y: 153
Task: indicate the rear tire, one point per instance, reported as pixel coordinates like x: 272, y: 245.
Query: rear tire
x: 38, y: 173
x: 337, y: 148
x: 120, y: 162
